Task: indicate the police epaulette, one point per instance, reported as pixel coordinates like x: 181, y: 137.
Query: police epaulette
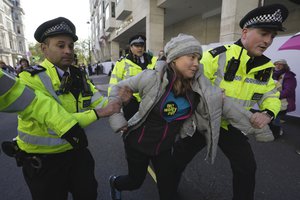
x: 218, y: 50
x: 35, y: 69
x: 121, y: 58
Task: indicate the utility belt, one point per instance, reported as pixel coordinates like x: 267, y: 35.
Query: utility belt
x: 11, y: 149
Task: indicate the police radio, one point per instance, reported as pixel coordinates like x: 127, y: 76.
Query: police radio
x: 232, y: 67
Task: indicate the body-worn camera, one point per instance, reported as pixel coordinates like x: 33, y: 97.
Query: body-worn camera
x: 231, y: 69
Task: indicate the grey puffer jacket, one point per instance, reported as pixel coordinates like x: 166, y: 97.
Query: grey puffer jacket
x: 151, y: 85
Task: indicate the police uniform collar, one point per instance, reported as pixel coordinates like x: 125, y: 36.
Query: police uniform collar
x: 239, y: 43
x: 253, y: 61
x: 267, y: 17
x: 61, y: 72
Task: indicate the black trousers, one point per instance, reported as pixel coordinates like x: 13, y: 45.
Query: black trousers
x: 137, y: 169
x: 236, y: 148
x: 71, y: 171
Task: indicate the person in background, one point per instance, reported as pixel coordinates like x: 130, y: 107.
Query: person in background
x: 3, y: 65
x: 176, y: 98
x: 245, y: 74
x: 130, y: 65
x: 67, y: 164
x: 90, y: 69
x: 99, y: 68
x: 286, y: 84
x: 7, y: 68
x: 161, y: 55
x: 23, y: 64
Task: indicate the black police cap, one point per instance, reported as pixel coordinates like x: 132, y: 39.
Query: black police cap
x: 137, y: 39
x: 269, y: 17
x: 57, y: 26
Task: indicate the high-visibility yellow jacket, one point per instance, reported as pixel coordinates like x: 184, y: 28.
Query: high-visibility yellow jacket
x: 246, y: 88
x: 125, y: 69
x: 16, y: 97
x: 34, y: 137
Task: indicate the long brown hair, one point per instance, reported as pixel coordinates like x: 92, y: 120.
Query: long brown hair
x: 181, y: 85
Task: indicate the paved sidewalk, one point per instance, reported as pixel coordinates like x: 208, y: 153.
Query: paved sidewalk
x: 102, y: 87
x: 101, y: 82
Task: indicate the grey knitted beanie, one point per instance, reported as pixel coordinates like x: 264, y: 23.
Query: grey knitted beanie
x: 182, y: 45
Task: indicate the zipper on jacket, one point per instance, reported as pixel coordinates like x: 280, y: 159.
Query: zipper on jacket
x: 162, y: 139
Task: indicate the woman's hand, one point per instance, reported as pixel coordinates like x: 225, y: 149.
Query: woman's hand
x: 260, y: 119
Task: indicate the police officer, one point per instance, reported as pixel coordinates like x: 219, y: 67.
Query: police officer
x: 245, y: 74
x: 16, y: 97
x: 67, y: 164
x: 130, y: 65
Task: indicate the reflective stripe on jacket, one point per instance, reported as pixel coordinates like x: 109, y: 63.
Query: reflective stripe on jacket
x: 125, y: 69
x: 245, y: 89
x: 14, y: 97
x: 35, y: 137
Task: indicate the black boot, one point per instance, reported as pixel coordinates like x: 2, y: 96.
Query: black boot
x: 276, y: 131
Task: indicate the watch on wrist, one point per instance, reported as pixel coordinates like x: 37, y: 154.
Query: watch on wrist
x: 266, y: 113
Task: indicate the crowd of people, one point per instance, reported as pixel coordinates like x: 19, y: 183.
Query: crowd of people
x: 23, y: 64
x: 167, y: 108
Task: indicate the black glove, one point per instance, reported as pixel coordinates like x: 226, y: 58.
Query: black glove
x: 76, y: 137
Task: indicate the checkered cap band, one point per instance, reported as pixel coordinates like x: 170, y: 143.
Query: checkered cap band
x: 265, y: 18
x: 59, y: 27
x: 138, y: 40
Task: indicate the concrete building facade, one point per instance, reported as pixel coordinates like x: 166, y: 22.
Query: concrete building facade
x: 113, y: 22
x: 12, y: 38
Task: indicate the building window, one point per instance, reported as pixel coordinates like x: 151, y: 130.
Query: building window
x: 16, y: 16
x: 18, y: 30
x: 16, y: 3
x: 8, y: 25
x: 118, y: 1
x: 11, y: 45
x: 103, y: 7
x: 21, y: 46
x: 113, y: 9
x: 1, y: 39
x: 7, y: 11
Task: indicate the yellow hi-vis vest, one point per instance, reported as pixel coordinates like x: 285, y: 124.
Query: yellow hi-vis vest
x: 125, y: 69
x: 245, y: 89
x: 16, y: 97
x: 34, y: 137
